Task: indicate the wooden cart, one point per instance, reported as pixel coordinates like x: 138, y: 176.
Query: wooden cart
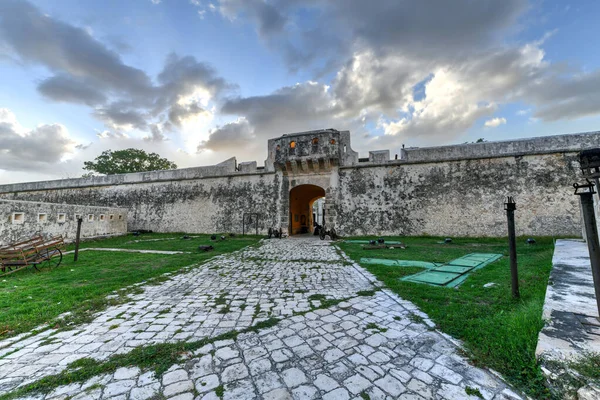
x: 33, y: 252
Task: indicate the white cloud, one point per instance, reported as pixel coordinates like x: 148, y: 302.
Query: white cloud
x: 111, y: 135
x: 236, y: 134
x: 86, y: 71
x: 494, y: 122
x: 382, y: 52
x: 419, y: 74
x: 8, y: 117
x: 40, y: 148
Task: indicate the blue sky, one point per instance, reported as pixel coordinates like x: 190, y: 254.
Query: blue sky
x: 200, y: 81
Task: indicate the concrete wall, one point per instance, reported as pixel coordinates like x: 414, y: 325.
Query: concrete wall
x: 461, y: 198
x: 23, y: 219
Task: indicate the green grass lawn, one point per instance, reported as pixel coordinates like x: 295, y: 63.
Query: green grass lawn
x: 28, y: 298
x: 498, y: 331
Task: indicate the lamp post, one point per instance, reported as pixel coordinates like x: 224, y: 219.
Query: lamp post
x: 510, y: 206
x: 589, y: 162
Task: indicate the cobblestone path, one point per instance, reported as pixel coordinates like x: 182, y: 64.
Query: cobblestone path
x: 370, y: 345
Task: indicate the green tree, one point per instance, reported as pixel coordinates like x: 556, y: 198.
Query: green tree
x: 125, y: 161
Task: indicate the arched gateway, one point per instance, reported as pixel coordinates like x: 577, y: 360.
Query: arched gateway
x: 307, y: 165
x: 302, y: 217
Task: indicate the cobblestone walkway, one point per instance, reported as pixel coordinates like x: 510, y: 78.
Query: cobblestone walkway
x: 367, y: 346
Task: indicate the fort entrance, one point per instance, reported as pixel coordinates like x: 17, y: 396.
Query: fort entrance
x: 302, y: 217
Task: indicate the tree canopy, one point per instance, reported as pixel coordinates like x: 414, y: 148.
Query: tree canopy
x: 126, y: 161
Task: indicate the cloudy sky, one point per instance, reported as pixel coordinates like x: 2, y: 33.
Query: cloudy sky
x: 199, y: 81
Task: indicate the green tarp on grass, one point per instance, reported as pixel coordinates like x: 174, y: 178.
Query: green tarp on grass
x: 454, y: 272
x: 398, y: 263
x: 450, y: 274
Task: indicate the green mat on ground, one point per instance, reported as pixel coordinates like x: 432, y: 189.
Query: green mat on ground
x: 455, y: 272
x: 399, y: 263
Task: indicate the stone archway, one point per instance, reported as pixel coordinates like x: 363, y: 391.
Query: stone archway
x: 302, y: 198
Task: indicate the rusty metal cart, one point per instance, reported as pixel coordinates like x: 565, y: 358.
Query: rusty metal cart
x: 33, y: 252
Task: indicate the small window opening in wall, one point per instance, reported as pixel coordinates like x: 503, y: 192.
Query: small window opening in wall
x: 42, y: 217
x: 61, y: 217
x: 278, y: 148
x: 18, y: 218
x: 111, y: 217
x: 101, y: 217
x: 120, y: 217
x: 292, y: 145
x: 332, y: 141
x: 344, y: 149
x: 90, y: 217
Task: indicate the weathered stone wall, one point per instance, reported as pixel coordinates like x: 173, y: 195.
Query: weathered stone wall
x: 450, y: 191
x: 193, y: 205
x: 223, y: 169
x: 23, y: 219
x: 461, y: 198
x: 515, y: 147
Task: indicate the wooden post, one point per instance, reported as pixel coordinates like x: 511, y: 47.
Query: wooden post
x: 510, y: 207
x: 79, y: 221
x: 591, y: 233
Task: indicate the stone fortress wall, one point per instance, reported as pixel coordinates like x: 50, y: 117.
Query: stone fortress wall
x: 447, y: 191
x: 20, y: 220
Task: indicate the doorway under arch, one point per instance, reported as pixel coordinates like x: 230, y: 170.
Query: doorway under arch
x: 302, y: 198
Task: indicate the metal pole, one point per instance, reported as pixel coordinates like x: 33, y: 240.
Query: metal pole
x: 79, y: 221
x: 511, y: 206
x: 244, y: 224
x: 257, y: 224
x: 591, y: 233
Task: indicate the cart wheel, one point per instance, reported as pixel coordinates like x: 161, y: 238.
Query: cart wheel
x: 55, y: 260
x: 322, y: 234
